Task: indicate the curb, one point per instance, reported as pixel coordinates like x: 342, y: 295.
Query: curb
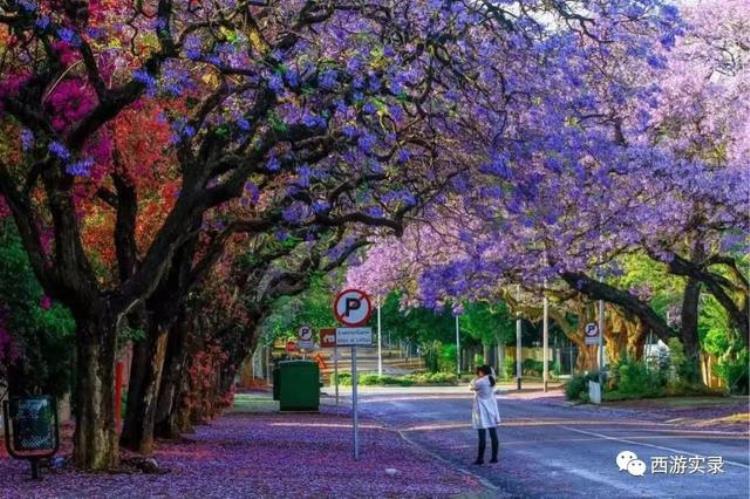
x: 491, y: 487
x: 488, y: 486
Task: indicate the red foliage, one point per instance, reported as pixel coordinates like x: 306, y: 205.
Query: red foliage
x: 4, y: 208
x: 204, y: 399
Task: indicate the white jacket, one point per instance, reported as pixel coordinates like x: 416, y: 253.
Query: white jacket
x: 484, y: 414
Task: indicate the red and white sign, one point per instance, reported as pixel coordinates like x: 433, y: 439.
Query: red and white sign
x: 291, y: 346
x: 352, y: 307
x: 328, y: 337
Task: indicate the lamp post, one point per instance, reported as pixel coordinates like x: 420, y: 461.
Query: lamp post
x: 600, y: 352
x: 380, y: 343
x: 545, y: 341
x: 519, y: 326
x: 458, y: 349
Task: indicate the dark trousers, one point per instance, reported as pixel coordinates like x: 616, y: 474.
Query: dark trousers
x: 483, y: 443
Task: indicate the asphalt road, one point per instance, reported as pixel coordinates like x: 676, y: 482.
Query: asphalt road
x: 558, y: 451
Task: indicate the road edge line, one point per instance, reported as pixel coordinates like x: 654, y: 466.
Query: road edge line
x: 485, y: 483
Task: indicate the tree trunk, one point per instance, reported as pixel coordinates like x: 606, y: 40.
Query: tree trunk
x: 586, y: 358
x: 639, y: 345
x: 689, y: 330
x: 166, y: 418
x: 145, y: 378
x: 95, y: 436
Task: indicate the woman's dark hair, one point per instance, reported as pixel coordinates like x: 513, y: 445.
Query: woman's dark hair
x: 487, y: 371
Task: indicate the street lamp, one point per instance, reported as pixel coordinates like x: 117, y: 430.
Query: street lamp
x: 545, y: 339
x: 519, y: 364
x: 600, y: 352
x: 380, y: 344
x: 458, y: 348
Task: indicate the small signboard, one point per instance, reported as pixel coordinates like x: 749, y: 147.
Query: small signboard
x: 31, y: 429
x: 354, y: 336
x: 291, y: 346
x: 305, y: 338
x: 328, y: 337
x: 591, y: 334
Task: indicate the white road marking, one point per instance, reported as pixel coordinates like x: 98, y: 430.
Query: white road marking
x: 635, y: 442
x: 598, y: 478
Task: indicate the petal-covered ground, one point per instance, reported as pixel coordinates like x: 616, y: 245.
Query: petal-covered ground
x: 263, y: 454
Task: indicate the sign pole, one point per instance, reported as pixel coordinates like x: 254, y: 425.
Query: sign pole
x: 380, y: 344
x: 352, y: 308
x: 336, y: 371
x: 355, y: 424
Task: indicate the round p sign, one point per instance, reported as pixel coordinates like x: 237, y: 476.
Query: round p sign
x: 352, y: 307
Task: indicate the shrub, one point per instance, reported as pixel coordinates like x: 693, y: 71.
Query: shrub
x: 616, y: 395
x: 447, y: 358
x: 343, y: 378
x: 533, y: 367
x: 577, y: 387
x: 442, y: 378
x: 438, y: 378
x: 369, y: 379
x: 509, y: 367
x: 735, y: 372
x: 634, y: 378
x: 687, y: 389
x: 372, y: 379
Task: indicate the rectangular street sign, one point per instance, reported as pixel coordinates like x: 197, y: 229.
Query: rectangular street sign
x: 328, y: 337
x: 354, y: 336
x: 592, y: 340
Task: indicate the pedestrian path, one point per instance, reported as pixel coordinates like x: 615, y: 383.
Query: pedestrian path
x: 254, y: 451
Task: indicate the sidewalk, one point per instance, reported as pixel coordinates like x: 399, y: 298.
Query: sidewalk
x: 254, y: 451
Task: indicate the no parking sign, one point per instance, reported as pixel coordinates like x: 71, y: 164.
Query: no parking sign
x: 352, y: 307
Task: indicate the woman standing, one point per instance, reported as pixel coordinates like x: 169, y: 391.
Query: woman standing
x: 485, y: 415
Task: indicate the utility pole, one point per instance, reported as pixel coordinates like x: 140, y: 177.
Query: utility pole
x: 380, y: 344
x: 519, y: 326
x: 458, y: 349
x: 545, y: 340
x: 600, y: 356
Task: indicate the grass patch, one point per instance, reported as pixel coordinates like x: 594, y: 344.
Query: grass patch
x: 254, y: 402
x: 415, y: 379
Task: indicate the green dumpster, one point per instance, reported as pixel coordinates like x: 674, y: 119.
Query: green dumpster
x: 299, y: 385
